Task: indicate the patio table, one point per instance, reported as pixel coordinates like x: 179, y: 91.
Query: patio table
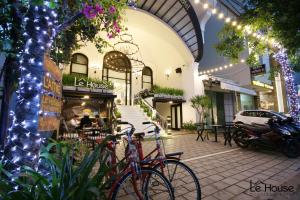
x: 215, y: 130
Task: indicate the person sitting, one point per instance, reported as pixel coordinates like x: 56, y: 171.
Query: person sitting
x: 85, y: 121
x: 99, y: 121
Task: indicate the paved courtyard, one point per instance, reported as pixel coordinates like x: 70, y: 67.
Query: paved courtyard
x: 226, y: 172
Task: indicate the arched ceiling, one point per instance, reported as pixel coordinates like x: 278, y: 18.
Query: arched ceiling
x: 181, y: 17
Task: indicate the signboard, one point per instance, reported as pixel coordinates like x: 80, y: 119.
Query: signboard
x: 258, y: 70
x: 264, y: 85
x: 89, y: 84
x: 51, y: 98
x: 48, y: 123
x: 50, y: 104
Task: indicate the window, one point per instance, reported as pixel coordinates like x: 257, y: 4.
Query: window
x: 147, y: 78
x: 79, y: 64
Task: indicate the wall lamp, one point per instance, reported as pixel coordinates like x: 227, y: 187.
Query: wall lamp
x: 168, y: 73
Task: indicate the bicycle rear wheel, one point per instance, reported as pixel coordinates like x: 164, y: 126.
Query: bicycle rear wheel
x: 184, y: 181
x: 150, y: 184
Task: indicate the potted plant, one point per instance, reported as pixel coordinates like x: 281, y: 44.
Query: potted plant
x: 201, y: 103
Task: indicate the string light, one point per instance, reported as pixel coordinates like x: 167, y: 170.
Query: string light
x: 281, y: 57
x: 17, y: 149
x: 220, y: 68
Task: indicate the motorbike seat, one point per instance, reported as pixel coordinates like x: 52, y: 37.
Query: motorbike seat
x: 257, y: 128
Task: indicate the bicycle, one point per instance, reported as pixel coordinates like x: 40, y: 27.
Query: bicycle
x: 178, y: 173
x: 134, y: 181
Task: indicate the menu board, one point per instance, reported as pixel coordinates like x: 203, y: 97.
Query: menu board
x: 51, y: 99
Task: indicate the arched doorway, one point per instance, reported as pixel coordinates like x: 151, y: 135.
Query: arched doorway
x: 117, y: 68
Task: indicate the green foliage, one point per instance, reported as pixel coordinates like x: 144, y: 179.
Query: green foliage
x: 231, y: 43
x: 271, y: 18
x: 65, y: 179
x: 201, y: 103
x: 190, y: 125
x: 69, y: 80
x: 117, y: 113
x: 78, y: 31
x: 145, y: 108
x: 168, y: 91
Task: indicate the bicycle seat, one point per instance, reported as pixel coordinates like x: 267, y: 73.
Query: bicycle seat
x: 174, y: 154
x: 139, y: 135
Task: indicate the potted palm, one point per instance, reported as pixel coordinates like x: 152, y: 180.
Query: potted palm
x: 201, y: 103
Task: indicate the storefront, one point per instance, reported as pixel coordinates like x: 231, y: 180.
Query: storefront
x: 227, y: 99
x: 88, y: 98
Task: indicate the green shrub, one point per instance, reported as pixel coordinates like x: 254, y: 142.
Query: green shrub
x: 69, y: 80
x: 168, y: 91
x: 189, y: 125
x: 66, y: 180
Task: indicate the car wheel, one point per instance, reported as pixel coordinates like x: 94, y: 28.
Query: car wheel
x: 241, y: 139
x: 291, y: 149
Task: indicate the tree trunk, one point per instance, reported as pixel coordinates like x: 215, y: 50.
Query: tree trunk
x: 24, y: 140
x: 9, y: 74
x: 288, y: 74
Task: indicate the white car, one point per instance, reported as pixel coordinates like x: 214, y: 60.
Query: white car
x: 256, y: 116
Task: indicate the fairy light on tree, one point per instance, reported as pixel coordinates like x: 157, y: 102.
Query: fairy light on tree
x: 40, y: 26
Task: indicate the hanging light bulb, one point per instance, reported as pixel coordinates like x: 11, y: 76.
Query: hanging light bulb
x: 221, y: 15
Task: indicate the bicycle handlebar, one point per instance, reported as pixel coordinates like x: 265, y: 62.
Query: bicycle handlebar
x: 146, y: 122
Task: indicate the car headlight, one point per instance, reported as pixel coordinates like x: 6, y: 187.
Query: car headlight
x: 286, y: 132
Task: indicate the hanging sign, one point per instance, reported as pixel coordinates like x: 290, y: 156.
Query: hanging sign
x: 51, y: 98
x: 258, y: 70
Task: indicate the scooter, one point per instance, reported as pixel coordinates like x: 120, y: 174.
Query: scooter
x: 276, y: 134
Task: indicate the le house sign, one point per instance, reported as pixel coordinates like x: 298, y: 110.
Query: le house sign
x: 89, y: 84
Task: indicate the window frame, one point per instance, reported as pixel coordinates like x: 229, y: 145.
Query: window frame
x: 151, y: 81
x: 87, y: 65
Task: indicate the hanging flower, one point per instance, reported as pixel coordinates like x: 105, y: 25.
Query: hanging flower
x: 110, y: 35
x: 112, y: 9
x: 116, y: 27
x: 99, y: 9
x: 89, y: 11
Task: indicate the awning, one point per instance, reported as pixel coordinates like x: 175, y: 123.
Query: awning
x: 233, y: 87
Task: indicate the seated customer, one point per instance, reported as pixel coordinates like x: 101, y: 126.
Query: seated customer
x: 85, y: 121
x: 99, y: 121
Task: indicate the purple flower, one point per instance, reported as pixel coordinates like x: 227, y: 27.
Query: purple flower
x: 99, y: 9
x: 110, y: 35
x: 89, y: 11
x: 112, y: 9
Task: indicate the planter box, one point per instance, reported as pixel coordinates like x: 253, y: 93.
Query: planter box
x: 69, y: 88
x: 83, y: 89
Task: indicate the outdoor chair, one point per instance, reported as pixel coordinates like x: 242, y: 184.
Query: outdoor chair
x: 228, y: 129
x: 201, y: 128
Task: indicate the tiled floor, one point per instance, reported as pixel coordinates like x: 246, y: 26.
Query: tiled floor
x: 226, y: 172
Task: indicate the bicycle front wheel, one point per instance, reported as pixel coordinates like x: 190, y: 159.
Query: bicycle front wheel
x: 184, y: 181
x: 147, y: 184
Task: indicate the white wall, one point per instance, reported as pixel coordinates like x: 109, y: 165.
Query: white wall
x: 161, y: 49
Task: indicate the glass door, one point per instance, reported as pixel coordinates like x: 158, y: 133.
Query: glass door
x: 176, y: 116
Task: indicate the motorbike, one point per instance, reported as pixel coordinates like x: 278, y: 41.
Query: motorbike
x: 277, y: 133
